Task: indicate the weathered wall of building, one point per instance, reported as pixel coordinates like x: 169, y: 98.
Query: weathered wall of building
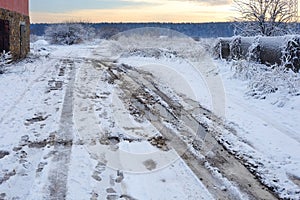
x: 19, y: 40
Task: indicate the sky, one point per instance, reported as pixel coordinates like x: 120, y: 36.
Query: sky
x: 52, y: 11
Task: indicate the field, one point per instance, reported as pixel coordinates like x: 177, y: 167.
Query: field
x: 147, y: 116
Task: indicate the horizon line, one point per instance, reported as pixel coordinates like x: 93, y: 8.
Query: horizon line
x: 86, y: 22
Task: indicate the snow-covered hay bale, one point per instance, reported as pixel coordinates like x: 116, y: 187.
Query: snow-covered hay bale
x: 233, y: 48
x: 222, y: 47
x: 271, y: 49
x: 266, y: 50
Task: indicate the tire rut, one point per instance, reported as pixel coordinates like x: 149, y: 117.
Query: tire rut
x: 208, y: 159
x: 58, y: 173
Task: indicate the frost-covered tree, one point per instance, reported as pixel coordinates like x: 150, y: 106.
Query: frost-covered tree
x: 264, y: 17
x: 68, y: 33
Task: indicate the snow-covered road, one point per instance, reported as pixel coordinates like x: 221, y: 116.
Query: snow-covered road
x: 49, y: 150
x: 84, y: 123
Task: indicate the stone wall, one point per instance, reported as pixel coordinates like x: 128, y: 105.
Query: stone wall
x: 19, y: 40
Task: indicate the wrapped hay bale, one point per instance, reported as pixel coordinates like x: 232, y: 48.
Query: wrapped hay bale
x: 222, y: 49
x: 266, y: 50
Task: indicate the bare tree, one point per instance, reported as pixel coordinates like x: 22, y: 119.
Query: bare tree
x: 264, y: 17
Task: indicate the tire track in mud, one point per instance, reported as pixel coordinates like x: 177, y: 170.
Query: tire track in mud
x: 58, y: 173
x: 211, y: 169
x: 210, y: 161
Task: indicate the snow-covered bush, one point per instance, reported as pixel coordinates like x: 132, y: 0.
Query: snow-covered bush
x: 209, y: 44
x: 291, y: 54
x: 265, y: 80
x: 244, y: 69
x: 217, y: 49
x: 5, y: 59
x: 273, y: 79
x: 68, y: 33
x: 40, y: 48
x: 235, y: 48
x: 89, y: 33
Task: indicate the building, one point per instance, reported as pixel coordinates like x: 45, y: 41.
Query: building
x: 15, y: 27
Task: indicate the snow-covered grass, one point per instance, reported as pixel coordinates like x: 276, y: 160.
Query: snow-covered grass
x: 264, y: 81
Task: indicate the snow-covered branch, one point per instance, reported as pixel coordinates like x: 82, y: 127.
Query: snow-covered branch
x: 5, y: 59
x: 264, y: 17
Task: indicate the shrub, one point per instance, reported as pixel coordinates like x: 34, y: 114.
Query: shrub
x: 65, y: 34
x: 5, y: 59
x: 265, y: 80
x: 291, y: 54
x: 273, y: 79
x: 235, y: 48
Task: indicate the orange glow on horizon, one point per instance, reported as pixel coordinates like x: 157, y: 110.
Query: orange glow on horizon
x: 176, y: 12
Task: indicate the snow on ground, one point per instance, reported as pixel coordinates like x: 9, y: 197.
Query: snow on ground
x: 266, y: 134
x: 180, y: 74
x: 272, y: 130
x: 35, y: 111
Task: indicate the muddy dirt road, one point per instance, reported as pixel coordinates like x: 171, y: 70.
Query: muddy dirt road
x: 99, y: 129
x: 177, y: 130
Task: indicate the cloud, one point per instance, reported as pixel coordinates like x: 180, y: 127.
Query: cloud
x: 210, y: 2
x: 130, y: 14
x: 61, y: 6
x: 203, y: 2
x: 134, y: 11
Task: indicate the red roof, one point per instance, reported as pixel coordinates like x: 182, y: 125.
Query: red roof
x: 20, y: 6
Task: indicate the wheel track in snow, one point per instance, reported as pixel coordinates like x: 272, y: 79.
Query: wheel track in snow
x: 203, y: 169
x: 60, y: 142
x: 58, y: 173
x: 228, y: 166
